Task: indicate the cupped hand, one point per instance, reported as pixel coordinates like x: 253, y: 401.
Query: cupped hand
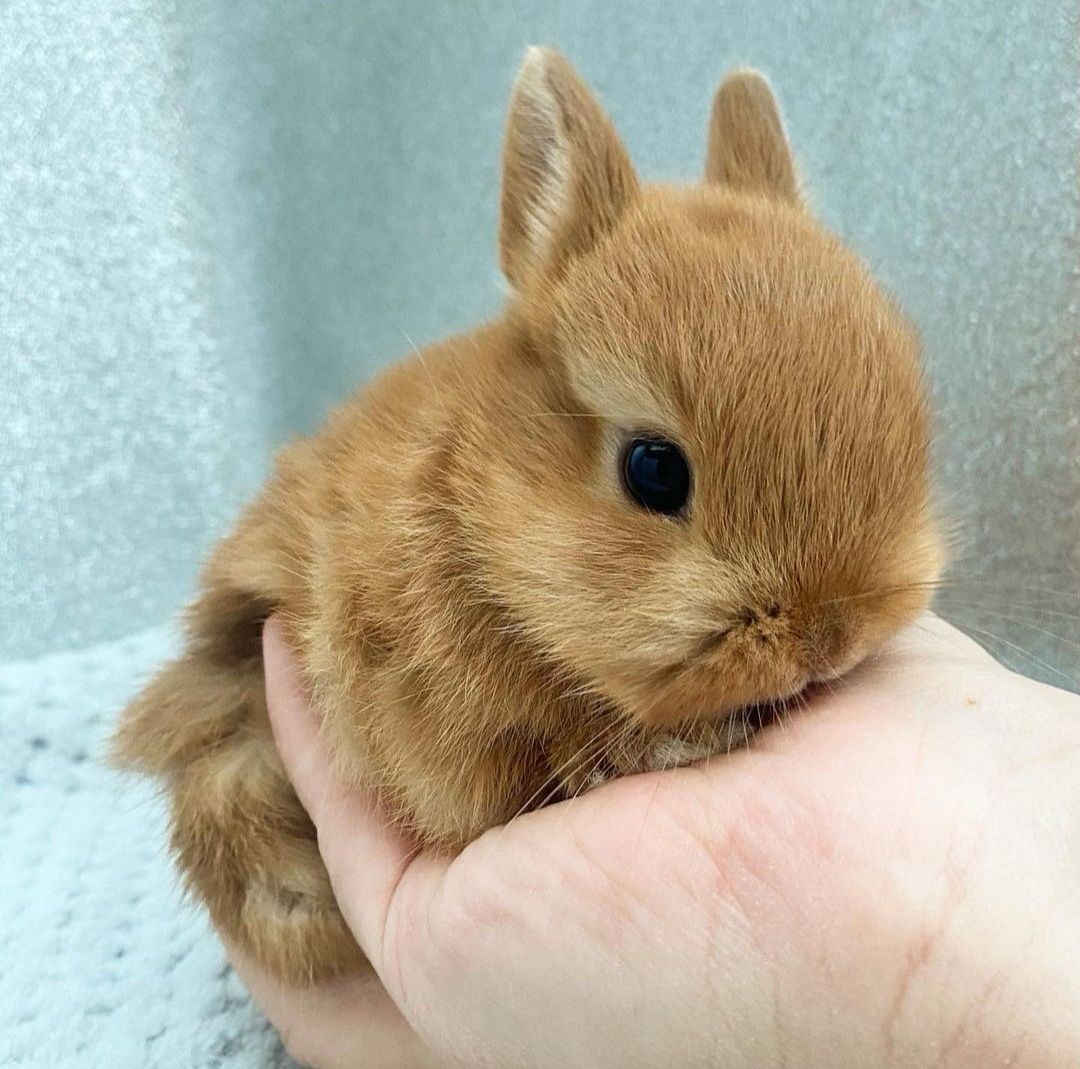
x: 889, y: 878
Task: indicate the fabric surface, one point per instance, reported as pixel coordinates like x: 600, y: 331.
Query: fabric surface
x: 103, y: 965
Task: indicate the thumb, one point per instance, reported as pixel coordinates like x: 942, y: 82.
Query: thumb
x: 367, y: 859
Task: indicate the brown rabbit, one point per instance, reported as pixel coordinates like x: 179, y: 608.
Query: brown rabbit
x: 684, y: 473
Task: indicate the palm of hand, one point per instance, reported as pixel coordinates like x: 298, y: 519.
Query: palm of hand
x: 818, y: 897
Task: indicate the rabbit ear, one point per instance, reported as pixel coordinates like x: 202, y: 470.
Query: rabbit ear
x: 748, y: 149
x: 566, y: 176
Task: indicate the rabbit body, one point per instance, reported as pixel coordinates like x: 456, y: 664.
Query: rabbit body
x: 486, y: 617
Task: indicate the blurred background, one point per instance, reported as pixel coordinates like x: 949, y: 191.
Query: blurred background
x: 219, y: 216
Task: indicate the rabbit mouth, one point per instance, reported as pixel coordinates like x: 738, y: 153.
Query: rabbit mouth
x: 764, y: 713
x: 748, y: 684
x: 710, y: 693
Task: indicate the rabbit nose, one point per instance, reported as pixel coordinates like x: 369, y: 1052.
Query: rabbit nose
x: 758, y: 614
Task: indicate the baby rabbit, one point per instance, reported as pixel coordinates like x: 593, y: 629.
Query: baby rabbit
x: 684, y: 473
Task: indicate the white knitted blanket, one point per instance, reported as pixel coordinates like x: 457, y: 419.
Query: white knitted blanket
x: 101, y: 963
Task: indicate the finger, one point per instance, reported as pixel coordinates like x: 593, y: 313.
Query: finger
x: 296, y: 730
x: 366, y: 858
x: 346, y: 1022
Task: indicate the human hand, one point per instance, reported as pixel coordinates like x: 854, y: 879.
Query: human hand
x: 892, y: 878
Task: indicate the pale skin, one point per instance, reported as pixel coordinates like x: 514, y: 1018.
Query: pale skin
x: 890, y: 879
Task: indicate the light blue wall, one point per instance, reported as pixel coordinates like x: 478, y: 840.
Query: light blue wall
x: 218, y: 217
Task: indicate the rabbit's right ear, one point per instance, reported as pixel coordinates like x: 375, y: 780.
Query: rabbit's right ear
x: 566, y: 176
x: 748, y: 149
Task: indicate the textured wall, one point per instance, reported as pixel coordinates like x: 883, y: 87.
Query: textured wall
x: 127, y: 427
x: 220, y: 217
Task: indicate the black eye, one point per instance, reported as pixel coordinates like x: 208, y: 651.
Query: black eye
x: 656, y: 474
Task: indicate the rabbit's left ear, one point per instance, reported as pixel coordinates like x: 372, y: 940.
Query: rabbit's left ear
x: 748, y: 149
x: 566, y: 176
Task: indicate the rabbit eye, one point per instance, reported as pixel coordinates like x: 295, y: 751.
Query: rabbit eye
x: 656, y: 474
